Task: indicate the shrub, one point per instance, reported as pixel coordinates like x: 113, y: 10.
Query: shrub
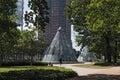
x: 102, y: 64
x: 23, y: 64
x: 107, y: 64
x: 38, y: 74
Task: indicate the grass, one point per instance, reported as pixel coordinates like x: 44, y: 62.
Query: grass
x: 12, y: 68
x: 35, y: 73
x: 93, y: 66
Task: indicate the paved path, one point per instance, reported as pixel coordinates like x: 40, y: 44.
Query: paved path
x: 88, y: 71
x: 94, y: 74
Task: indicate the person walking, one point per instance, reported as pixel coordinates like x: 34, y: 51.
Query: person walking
x: 60, y: 61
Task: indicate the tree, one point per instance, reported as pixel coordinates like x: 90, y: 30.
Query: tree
x: 103, y: 17
x: 38, y: 15
x: 8, y: 27
x: 103, y: 24
x: 30, y: 45
x: 76, y: 11
x: 7, y: 15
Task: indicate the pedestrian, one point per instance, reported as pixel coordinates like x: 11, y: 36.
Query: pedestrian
x: 60, y: 61
x: 50, y: 64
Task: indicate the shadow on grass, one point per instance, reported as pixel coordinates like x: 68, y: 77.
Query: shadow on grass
x: 98, y: 77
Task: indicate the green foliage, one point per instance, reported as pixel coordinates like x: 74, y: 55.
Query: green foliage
x: 9, y: 34
x: 76, y: 11
x: 29, y: 43
x: 98, y: 23
x: 103, y: 19
x: 102, y: 64
x: 21, y: 63
x: 7, y: 15
x: 8, y: 41
x: 38, y: 74
x: 15, y: 42
x: 106, y: 64
x: 38, y: 15
x: 7, y: 8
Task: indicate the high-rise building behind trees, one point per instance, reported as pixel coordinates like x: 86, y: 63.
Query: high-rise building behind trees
x: 57, y: 19
x: 20, y: 12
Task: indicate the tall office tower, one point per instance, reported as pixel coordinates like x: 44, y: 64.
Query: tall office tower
x: 20, y: 12
x: 57, y: 19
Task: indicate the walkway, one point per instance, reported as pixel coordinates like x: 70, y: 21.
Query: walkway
x: 80, y: 71
x: 92, y: 74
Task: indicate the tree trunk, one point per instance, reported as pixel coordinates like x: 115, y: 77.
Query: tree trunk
x: 1, y: 59
x: 23, y: 57
x: 108, y: 50
x: 115, y: 53
x: 105, y: 59
x: 31, y: 59
x: 115, y: 58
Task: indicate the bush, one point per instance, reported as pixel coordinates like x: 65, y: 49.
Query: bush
x: 23, y: 64
x: 107, y: 64
x: 38, y: 74
x: 102, y: 64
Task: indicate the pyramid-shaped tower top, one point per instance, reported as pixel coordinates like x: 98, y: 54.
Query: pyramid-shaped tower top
x: 59, y: 48
x: 59, y: 29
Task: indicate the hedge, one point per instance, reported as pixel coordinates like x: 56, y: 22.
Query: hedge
x: 23, y: 64
x: 38, y: 74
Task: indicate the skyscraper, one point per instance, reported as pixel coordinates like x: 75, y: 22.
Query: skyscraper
x: 57, y: 19
x: 20, y: 13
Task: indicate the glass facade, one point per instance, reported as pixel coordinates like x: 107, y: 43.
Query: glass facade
x: 20, y: 12
x: 57, y: 19
x: 59, y: 49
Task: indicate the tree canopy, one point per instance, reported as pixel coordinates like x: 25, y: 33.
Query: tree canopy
x: 38, y: 15
x: 99, y: 23
x: 7, y: 14
x: 16, y: 42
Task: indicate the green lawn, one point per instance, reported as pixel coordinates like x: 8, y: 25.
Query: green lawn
x: 35, y: 73
x: 92, y: 66
x: 12, y: 68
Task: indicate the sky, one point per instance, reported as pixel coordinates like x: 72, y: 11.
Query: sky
x: 25, y: 5
x: 73, y: 38
x: 73, y: 33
